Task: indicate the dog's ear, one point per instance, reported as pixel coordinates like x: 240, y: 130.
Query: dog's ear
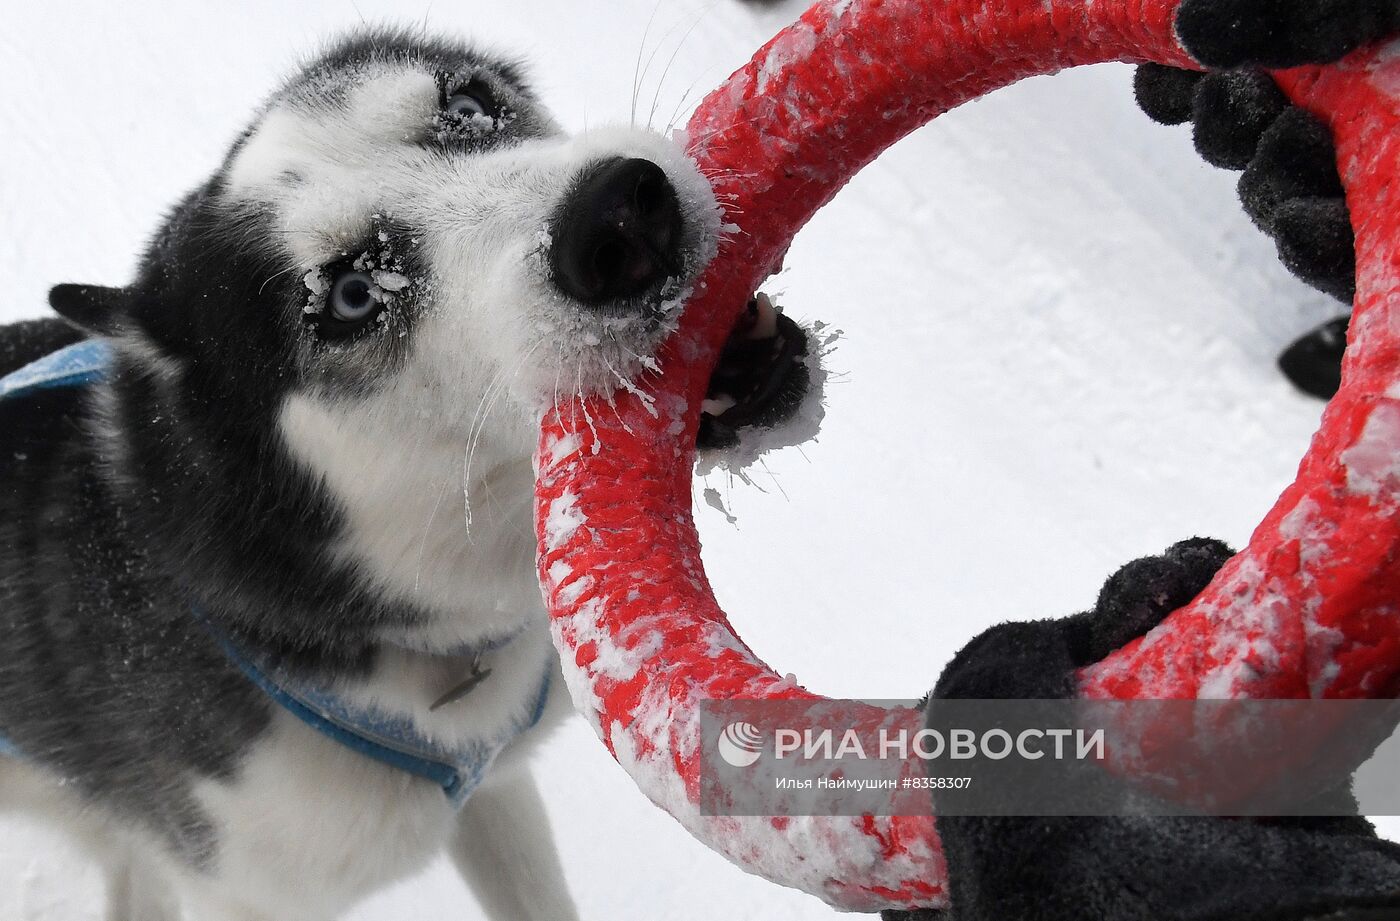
x: 98, y: 309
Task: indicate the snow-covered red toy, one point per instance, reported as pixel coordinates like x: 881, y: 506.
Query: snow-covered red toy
x: 1308, y: 609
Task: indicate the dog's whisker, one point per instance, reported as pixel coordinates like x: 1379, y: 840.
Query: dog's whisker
x: 558, y: 375
x: 675, y: 113
x: 661, y: 82
x: 273, y: 277
x: 611, y: 397
x: 660, y: 44
x: 718, y: 133
x: 764, y: 464
x: 467, y: 450
x: 494, y: 391
x: 637, y: 68
x: 582, y: 403
x: 427, y: 529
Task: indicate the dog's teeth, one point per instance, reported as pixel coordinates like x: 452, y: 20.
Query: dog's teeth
x: 766, y: 321
x: 716, y: 406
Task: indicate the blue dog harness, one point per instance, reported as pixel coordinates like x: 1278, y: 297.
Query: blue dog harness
x: 390, y: 739
x: 80, y: 363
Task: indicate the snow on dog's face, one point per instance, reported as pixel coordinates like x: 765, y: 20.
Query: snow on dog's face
x: 399, y: 265
x: 450, y: 248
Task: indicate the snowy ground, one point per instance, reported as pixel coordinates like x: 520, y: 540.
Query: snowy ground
x: 1059, y: 355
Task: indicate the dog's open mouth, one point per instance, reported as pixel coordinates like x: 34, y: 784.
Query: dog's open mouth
x: 761, y: 378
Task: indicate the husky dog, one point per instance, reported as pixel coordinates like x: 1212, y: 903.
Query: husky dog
x: 356, y: 320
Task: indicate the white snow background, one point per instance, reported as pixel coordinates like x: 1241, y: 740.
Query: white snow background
x: 1060, y: 336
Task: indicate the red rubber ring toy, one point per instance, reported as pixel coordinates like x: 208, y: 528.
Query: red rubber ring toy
x: 1311, y: 608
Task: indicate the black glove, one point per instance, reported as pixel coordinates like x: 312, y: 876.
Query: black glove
x: 1242, y: 121
x: 1140, y: 868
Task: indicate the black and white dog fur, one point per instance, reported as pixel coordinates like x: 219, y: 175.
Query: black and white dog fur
x: 353, y: 323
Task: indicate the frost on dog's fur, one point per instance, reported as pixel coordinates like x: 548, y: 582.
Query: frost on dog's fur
x: 318, y: 428
x: 483, y: 221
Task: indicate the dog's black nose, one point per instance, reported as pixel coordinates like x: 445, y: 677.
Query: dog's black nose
x: 618, y: 232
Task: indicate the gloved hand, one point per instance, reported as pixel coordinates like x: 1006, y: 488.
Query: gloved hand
x: 1114, y: 869
x: 1140, y: 867
x: 1242, y: 121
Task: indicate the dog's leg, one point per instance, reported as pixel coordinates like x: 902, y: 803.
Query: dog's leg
x: 505, y: 852
x: 138, y: 892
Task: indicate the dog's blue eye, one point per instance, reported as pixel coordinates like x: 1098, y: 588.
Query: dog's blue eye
x: 467, y: 105
x: 354, y: 297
